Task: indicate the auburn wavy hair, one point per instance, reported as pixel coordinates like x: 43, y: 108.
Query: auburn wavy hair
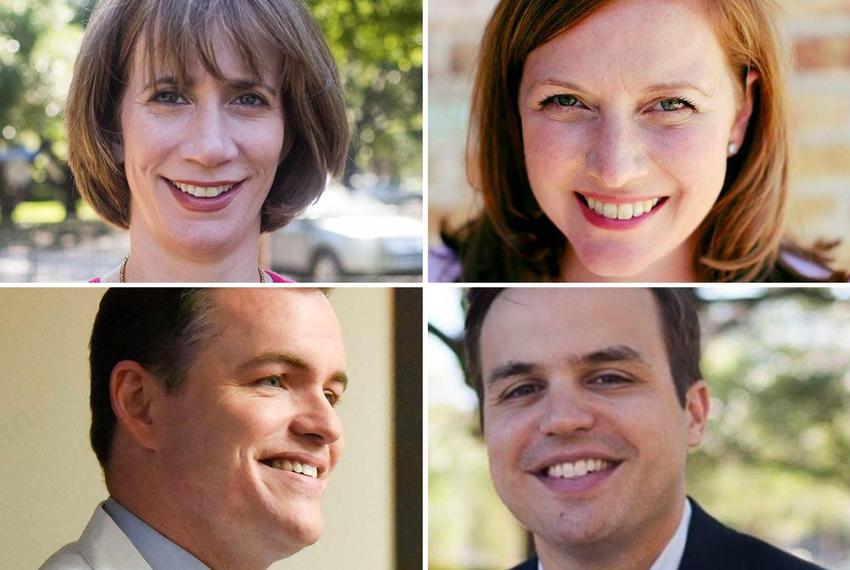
x: 513, y: 240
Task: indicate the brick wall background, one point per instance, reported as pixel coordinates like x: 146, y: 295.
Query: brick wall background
x: 818, y: 96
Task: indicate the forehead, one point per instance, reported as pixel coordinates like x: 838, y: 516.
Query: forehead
x: 539, y: 325
x: 298, y: 322
x: 633, y: 43
x: 222, y: 44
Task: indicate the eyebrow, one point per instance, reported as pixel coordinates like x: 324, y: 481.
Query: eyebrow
x: 238, y: 84
x: 291, y: 360
x: 607, y: 355
x: 663, y: 86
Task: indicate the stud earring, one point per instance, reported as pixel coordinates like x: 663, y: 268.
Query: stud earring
x: 732, y: 149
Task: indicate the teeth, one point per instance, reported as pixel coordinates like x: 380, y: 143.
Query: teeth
x: 578, y: 469
x: 621, y: 211
x: 296, y: 467
x: 202, y: 192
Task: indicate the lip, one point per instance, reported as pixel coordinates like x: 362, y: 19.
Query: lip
x: 291, y: 480
x: 601, y: 221
x: 196, y: 204
x: 576, y: 485
x: 319, y: 463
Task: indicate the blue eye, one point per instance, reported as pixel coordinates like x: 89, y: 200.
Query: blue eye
x: 250, y: 100
x: 332, y: 397
x: 168, y: 98
x: 272, y: 381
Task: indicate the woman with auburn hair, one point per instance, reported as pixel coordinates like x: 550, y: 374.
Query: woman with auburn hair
x: 629, y: 140
x: 197, y: 125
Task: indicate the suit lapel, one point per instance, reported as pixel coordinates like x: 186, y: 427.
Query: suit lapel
x: 710, y: 545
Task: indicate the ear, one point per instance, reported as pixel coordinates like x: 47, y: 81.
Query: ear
x: 742, y: 118
x: 134, y: 393
x: 697, y: 407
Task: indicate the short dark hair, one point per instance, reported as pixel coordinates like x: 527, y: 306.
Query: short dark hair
x: 679, y: 326
x: 160, y: 328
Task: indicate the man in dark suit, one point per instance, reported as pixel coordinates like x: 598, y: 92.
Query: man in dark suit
x: 590, y: 400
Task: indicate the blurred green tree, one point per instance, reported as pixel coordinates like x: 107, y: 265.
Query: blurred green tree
x: 378, y: 47
x: 38, y: 41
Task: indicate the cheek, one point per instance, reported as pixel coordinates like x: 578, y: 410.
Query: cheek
x: 551, y: 150
x: 264, y: 143
x: 694, y: 158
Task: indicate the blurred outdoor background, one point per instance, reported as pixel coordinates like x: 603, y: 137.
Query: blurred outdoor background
x: 775, y: 458
x: 367, y: 226
x: 819, y: 101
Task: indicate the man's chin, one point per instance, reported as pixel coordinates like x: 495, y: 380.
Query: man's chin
x: 296, y: 533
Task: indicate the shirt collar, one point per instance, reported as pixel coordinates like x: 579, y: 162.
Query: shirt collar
x: 671, y: 556
x: 156, y: 549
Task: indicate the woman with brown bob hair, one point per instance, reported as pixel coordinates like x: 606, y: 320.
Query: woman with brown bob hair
x: 197, y: 125
x: 629, y: 140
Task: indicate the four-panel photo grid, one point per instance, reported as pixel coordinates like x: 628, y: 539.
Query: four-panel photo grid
x: 425, y: 284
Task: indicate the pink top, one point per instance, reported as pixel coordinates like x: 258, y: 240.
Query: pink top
x: 275, y: 277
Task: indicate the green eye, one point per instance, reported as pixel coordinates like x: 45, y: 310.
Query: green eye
x: 565, y: 100
x: 673, y: 104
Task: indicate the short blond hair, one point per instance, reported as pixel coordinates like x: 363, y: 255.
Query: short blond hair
x: 316, y: 135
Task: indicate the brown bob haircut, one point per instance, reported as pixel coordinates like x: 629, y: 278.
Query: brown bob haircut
x: 677, y: 311
x: 513, y: 240
x: 316, y: 133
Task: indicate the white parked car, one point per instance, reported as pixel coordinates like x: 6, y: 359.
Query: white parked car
x: 348, y: 234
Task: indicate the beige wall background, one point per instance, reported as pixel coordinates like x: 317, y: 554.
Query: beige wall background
x: 51, y: 481
x: 818, y: 99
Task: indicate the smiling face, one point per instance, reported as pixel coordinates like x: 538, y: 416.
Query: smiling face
x: 626, y: 121
x: 200, y: 159
x: 585, y: 435
x: 256, y: 407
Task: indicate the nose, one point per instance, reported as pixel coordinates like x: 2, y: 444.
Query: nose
x: 209, y: 142
x: 316, y: 420
x: 617, y: 155
x: 566, y: 413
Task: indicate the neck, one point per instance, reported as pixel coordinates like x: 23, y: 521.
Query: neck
x: 152, y: 261
x: 188, y: 527
x: 637, y: 551
x: 675, y: 267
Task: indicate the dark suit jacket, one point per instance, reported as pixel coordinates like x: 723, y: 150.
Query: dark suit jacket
x: 712, y: 546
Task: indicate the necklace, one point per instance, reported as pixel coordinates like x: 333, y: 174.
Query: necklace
x: 122, y: 273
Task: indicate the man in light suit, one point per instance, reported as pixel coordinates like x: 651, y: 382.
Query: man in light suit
x: 590, y: 400
x: 213, y: 419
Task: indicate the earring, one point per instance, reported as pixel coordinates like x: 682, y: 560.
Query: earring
x: 732, y: 149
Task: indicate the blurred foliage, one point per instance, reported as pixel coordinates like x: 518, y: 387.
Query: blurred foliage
x: 38, y: 41
x: 378, y: 46
x: 775, y: 458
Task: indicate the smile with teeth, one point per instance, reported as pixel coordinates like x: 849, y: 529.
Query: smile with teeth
x: 202, y: 191
x: 578, y: 469
x: 295, y: 467
x: 621, y: 211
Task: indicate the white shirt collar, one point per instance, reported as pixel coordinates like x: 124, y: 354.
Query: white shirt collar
x: 671, y: 556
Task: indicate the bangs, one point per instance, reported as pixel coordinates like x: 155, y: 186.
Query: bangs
x: 176, y: 31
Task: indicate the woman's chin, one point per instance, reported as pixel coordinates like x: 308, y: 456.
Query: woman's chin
x: 612, y: 261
